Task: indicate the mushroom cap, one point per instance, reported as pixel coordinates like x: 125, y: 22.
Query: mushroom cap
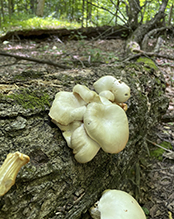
x: 68, y: 130
x: 119, y: 89
x: 85, y: 93
x: 108, y: 95
x: 116, y: 204
x: 104, y: 83
x: 107, y: 125
x: 67, y: 107
x: 83, y: 146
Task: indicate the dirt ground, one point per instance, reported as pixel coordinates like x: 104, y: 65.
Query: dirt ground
x: 158, y: 175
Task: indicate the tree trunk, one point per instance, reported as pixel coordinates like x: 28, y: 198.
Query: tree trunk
x: 53, y: 184
x: 2, y: 10
x: 32, y: 6
x: 40, y: 8
x: 132, y: 12
x: 9, y: 8
x: 140, y: 32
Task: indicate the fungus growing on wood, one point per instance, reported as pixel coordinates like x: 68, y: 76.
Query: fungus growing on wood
x: 117, y: 204
x: 89, y: 120
x: 83, y: 146
x: 10, y: 169
x: 119, y: 89
x: 67, y: 107
x: 107, y: 125
x: 85, y: 93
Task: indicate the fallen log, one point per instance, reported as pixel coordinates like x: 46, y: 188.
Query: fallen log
x: 53, y: 184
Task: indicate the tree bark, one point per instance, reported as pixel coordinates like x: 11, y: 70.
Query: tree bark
x: 53, y: 185
x: 140, y: 32
x: 132, y: 12
x: 40, y: 8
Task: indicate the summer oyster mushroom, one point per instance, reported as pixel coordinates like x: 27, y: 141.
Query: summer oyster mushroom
x: 116, y: 204
x: 107, y: 125
x: 83, y: 146
x: 66, y: 108
x: 10, y: 169
x: 113, y: 89
x: 89, y: 121
x: 86, y: 94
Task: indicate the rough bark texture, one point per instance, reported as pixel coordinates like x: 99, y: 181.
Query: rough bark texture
x: 140, y: 32
x: 53, y: 185
x: 40, y: 8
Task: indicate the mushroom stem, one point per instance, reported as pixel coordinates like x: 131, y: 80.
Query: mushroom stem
x: 10, y: 169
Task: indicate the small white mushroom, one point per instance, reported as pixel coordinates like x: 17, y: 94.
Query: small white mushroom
x: 67, y: 107
x: 83, y: 146
x: 116, y: 204
x: 119, y: 89
x: 107, y: 125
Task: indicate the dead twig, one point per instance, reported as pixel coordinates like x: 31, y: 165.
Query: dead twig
x: 34, y: 60
x: 147, y: 54
x: 159, y: 146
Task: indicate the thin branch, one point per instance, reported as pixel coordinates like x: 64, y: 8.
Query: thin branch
x: 105, y: 9
x: 150, y: 54
x: 34, y: 60
x: 117, y: 7
x: 158, y: 145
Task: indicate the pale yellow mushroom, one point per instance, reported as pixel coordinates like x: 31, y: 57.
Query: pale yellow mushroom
x: 83, y: 146
x: 68, y: 131
x: 10, y: 169
x: 90, y: 121
x: 86, y: 94
x: 108, y: 95
x: 117, y: 204
x: 119, y: 89
x: 107, y: 125
x: 66, y: 108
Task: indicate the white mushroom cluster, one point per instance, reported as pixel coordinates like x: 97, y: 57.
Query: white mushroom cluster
x: 117, y: 204
x: 92, y: 120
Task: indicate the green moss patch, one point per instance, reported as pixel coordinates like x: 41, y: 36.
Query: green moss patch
x: 148, y: 62
x: 30, y: 99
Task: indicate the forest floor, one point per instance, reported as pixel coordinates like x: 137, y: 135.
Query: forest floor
x: 159, y: 174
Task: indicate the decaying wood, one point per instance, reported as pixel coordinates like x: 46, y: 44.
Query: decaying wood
x: 53, y: 184
x: 69, y: 34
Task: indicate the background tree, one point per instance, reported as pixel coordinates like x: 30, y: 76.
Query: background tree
x: 40, y: 8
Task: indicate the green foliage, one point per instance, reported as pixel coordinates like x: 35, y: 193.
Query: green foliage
x: 73, y: 14
x: 27, y: 22
x: 146, y: 211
